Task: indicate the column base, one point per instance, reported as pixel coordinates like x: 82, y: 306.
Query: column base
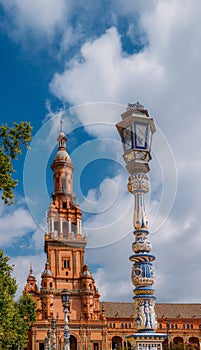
x: 147, y: 340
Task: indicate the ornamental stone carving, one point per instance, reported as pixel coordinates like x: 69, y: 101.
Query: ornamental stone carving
x: 143, y: 274
x: 145, y: 317
x: 141, y: 244
x: 138, y: 184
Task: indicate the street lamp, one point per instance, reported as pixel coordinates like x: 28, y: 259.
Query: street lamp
x: 167, y: 328
x: 65, y: 297
x: 46, y: 344
x: 48, y: 339
x: 54, y: 345
x: 136, y: 129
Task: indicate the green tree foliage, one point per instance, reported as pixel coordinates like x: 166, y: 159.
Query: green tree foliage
x: 16, y: 318
x: 27, y: 309
x: 12, y: 140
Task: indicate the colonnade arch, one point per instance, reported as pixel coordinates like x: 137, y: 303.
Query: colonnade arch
x: 73, y: 342
x: 193, y: 343
x: 116, y: 342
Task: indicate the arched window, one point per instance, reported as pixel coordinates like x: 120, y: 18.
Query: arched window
x: 194, y: 341
x: 73, y: 342
x: 116, y: 343
x: 178, y: 340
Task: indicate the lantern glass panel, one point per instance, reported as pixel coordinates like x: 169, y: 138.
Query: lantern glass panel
x: 65, y: 297
x: 127, y: 138
x: 141, y: 135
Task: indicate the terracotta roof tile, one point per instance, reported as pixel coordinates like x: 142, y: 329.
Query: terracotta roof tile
x: 126, y: 310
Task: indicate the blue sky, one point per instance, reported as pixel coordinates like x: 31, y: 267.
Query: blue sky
x: 87, y: 62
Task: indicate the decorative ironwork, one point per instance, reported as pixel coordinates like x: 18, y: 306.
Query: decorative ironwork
x: 134, y: 106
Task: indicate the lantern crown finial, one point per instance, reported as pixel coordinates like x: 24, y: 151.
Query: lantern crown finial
x: 134, y: 106
x: 137, y: 107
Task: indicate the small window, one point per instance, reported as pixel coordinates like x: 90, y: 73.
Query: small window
x: 64, y: 205
x: 66, y: 264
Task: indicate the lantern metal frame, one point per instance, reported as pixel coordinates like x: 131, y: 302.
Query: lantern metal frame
x: 136, y: 144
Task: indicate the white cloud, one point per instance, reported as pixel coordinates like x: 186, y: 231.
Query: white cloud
x: 42, y: 17
x: 15, y: 224
x: 22, y: 267
x: 114, y: 271
x: 114, y: 76
x: 163, y: 75
x: 113, y: 213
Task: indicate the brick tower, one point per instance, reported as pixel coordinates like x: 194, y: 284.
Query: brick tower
x: 65, y: 269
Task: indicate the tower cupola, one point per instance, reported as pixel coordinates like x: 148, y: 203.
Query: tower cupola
x: 62, y: 167
x: 31, y: 285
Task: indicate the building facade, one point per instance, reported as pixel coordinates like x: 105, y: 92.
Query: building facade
x: 94, y: 325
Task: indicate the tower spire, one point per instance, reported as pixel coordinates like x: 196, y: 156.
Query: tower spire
x: 61, y: 124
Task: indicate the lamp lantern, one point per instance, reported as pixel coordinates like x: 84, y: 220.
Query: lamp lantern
x: 65, y: 296
x: 136, y: 130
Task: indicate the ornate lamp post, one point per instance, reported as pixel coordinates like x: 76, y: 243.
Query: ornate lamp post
x: 46, y: 344
x: 48, y: 339
x: 54, y: 344
x: 167, y: 328
x: 65, y: 297
x: 136, y: 130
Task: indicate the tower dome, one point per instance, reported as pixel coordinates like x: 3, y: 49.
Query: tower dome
x: 47, y: 271
x: 62, y: 154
